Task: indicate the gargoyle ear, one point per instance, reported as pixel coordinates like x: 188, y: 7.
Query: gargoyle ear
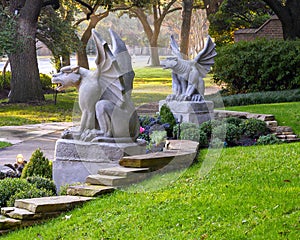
x: 75, y: 69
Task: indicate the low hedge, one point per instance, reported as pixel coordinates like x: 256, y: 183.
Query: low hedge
x: 16, y: 188
x: 223, y: 99
x: 5, y: 81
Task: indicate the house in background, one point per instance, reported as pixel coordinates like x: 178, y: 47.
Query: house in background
x: 271, y: 29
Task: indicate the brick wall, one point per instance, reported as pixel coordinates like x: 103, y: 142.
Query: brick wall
x: 271, y: 29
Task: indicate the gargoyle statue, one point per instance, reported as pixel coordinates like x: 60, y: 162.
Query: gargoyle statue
x: 104, y: 95
x: 187, y: 76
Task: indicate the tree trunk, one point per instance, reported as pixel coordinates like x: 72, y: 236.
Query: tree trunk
x: 66, y: 61
x: 25, y: 81
x: 185, y: 27
x: 154, y: 56
x: 289, y: 15
x: 82, y: 58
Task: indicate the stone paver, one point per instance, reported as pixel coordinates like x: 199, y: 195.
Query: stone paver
x: 26, y: 139
x: 50, y: 204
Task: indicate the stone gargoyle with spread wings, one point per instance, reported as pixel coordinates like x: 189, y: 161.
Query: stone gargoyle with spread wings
x: 104, y: 94
x: 187, y: 75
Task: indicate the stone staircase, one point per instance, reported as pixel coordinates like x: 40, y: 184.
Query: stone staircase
x: 27, y: 212
x: 132, y: 169
x: 284, y: 133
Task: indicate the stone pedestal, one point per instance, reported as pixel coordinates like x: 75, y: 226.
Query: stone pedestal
x: 194, y: 112
x: 75, y: 160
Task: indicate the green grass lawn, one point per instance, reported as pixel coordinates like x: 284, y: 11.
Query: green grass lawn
x: 251, y: 193
x: 150, y: 85
x: 4, y: 144
x: 287, y: 114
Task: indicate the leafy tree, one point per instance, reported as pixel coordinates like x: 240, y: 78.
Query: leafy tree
x: 25, y: 81
x: 232, y: 15
x: 56, y: 31
x: 152, y: 26
x: 94, y: 12
x: 288, y: 11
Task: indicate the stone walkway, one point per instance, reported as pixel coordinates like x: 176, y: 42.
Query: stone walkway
x: 27, y: 138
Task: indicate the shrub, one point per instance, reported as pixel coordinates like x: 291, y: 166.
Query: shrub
x: 42, y: 183
x: 183, y: 126
x: 233, y: 120
x: 190, y: 134
x: 5, y: 80
x: 203, y: 141
x: 158, y: 136
x: 9, y: 186
x: 16, y: 188
x: 216, y: 143
x: 260, y: 65
x: 254, y: 128
x: 30, y: 191
x: 38, y: 165
x: 167, y: 117
x: 268, y: 139
x: 255, y: 98
x: 45, y: 81
x: 191, y: 131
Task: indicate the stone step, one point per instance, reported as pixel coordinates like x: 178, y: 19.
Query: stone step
x: 122, y: 171
x: 288, y: 137
x: 7, y: 223
x: 51, y: 204
x: 272, y: 124
x: 106, y: 180
x: 23, y: 214
x: 159, y: 160
x: 88, y: 190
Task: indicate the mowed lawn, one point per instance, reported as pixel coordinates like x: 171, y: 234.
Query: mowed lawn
x: 150, y: 85
x: 245, y: 193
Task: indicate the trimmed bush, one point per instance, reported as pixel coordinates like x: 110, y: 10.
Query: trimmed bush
x: 9, y: 186
x: 45, y: 81
x: 255, y: 98
x: 38, y: 165
x: 167, y: 117
x: 5, y: 81
x: 254, y: 128
x: 260, y: 65
x: 30, y: 191
x: 268, y: 139
x: 15, y: 188
x: 42, y: 183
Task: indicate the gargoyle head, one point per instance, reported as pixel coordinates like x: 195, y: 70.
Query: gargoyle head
x: 169, y: 62
x: 67, y: 77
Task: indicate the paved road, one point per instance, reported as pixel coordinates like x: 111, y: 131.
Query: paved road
x: 27, y: 138
x: 45, y: 65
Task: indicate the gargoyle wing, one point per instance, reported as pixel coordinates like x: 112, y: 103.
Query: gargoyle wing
x: 205, y: 57
x: 175, y: 48
x: 123, y: 59
x: 108, y: 71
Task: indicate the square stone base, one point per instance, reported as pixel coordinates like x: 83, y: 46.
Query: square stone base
x: 194, y: 112
x: 75, y: 160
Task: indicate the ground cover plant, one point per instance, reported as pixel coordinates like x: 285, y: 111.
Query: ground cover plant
x: 251, y: 193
